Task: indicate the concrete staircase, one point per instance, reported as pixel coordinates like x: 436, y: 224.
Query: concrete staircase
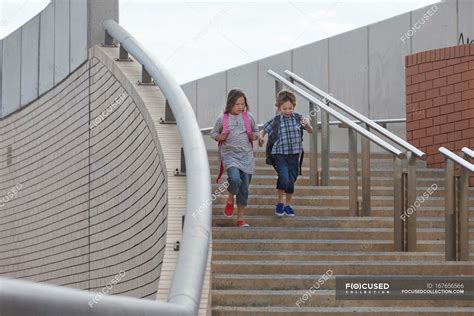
x: 265, y: 269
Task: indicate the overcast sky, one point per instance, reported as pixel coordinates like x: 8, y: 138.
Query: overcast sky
x: 194, y: 38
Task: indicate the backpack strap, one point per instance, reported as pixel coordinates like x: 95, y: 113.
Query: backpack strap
x: 225, y: 130
x: 273, y: 137
x: 248, y: 127
x: 298, y: 121
x: 225, y: 123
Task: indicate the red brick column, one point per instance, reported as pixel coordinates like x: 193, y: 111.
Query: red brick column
x: 440, y: 100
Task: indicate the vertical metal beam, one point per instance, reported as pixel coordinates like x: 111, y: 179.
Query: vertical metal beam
x: 411, y: 199
x: 146, y: 78
x: 353, y: 200
x: 123, y: 54
x: 463, y: 215
x: 182, y: 168
x: 397, y: 205
x: 365, y: 157
x: 325, y: 148
x: 109, y: 41
x: 278, y: 87
x: 450, y: 222
x: 313, y: 163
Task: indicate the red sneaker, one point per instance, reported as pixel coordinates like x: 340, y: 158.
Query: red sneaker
x: 242, y: 223
x: 229, y: 209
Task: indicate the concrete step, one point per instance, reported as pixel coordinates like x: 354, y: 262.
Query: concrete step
x: 331, y: 201
x: 302, y: 233
x: 327, y: 255
x: 320, y: 298
x: 335, y: 233
x: 340, y: 181
x: 304, y: 210
x: 272, y: 220
x: 321, y: 245
x: 308, y: 221
x: 218, y: 310
x: 269, y: 189
x: 422, y: 267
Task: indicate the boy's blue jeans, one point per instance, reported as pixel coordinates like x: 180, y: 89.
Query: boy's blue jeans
x: 287, y: 167
x: 239, y: 182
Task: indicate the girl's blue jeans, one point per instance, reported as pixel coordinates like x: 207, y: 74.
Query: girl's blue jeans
x: 239, y: 182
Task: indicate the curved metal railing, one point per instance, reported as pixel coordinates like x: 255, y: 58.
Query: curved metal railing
x: 18, y: 297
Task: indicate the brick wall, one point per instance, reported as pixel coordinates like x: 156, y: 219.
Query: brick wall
x: 440, y: 100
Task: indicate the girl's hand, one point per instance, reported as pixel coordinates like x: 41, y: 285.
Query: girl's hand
x: 261, y: 140
x: 221, y: 137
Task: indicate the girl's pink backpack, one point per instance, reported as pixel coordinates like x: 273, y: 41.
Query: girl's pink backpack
x: 225, y: 130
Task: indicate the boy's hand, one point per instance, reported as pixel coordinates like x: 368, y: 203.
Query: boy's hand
x: 261, y: 140
x: 221, y: 137
x: 305, y: 122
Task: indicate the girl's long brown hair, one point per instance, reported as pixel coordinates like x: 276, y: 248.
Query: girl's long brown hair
x: 232, y: 97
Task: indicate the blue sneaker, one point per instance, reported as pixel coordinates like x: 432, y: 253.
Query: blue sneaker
x: 289, y: 211
x: 280, y: 209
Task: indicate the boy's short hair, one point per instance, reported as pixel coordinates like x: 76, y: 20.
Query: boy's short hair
x: 285, y: 96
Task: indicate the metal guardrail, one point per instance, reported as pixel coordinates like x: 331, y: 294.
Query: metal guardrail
x: 404, y: 181
x: 382, y: 122
x: 19, y: 298
x: 370, y: 123
x: 456, y: 204
x: 374, y: 138
x: 468, y: 152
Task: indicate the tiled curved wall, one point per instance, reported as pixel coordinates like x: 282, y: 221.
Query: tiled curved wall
x: 80, y: 202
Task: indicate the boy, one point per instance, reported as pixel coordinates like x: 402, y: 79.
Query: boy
x: 284, y: 146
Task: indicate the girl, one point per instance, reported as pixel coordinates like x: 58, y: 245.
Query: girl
x: 235, y: 130
x: 285, y: 132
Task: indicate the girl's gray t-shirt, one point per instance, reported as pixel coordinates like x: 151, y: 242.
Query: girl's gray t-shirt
x: 236, y: 151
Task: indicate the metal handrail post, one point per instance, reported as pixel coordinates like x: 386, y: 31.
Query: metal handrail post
x: 463, y: 215
x: 365, y: 176
x: 398, y: 216
x: 353, y: 186
x: 325, y: 148
x: 411, y: 201
x: 450, y: 218
x: 313, y: 163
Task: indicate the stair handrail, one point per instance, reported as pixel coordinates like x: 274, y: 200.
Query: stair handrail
x: 399, y: 141
x: 362, y: 131
x: 185, y: 291
x: 456, y: 205
x: 207, y: 130
x: 404, y: 182
x: 467, y: 151
x: 457, y: 159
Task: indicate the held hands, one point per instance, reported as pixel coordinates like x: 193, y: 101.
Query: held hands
x: 261, y: 140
